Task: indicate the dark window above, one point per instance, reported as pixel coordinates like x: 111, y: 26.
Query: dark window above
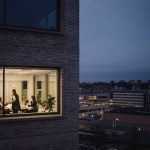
x: 40, y: 14
x: 1, y: 11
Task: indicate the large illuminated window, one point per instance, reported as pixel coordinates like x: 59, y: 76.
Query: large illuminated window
x: 41, y: 14
x: 29, y: 91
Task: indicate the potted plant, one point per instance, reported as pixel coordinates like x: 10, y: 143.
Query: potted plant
x: 48, y: 104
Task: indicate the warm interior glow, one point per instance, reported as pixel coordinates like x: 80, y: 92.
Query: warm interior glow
x: 38, y: 82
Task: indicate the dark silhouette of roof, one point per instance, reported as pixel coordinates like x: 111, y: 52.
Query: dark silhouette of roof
x: 133, y: 110
x: 136, y: 137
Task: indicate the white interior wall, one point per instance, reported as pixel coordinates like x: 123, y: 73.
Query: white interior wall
x: 53, y: 88
x: 30, y: 87
x: 15, y: 81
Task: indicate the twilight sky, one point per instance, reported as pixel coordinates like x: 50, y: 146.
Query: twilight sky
x: 114, y: 40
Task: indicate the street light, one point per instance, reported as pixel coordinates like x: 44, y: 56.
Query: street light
x: 115, y: 124
x: 117, y: 119
x: 139, y: 129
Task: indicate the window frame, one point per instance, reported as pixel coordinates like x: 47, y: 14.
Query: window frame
x: 31, y: 28
x: 3, y: 68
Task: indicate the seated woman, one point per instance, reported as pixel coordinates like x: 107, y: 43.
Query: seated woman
x: 7, y: 107
x: 32, y: 107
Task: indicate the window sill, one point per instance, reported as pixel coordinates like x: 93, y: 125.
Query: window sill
x: 30, y: 118
x: 31, y: 30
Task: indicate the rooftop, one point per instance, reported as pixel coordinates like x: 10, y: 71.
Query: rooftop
x: 133, y: 110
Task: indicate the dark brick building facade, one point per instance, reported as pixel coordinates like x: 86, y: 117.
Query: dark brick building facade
x: 37, y: 48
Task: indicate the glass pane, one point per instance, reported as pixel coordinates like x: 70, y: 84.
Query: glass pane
x: 40, y: 87
x: 13, y: 90
x: 1, y: 11
x: 32, y: 13
x: 1, y: 91
x: 30, y: 90
x: 52, y: 87
x: 46, y: 90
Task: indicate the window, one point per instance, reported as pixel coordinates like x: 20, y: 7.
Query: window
x: 92, y: 97
x: 30, y: 13
x: 29, y: 91
x: 81, y: 98
x: 1, y: 11
x: 99, y: 97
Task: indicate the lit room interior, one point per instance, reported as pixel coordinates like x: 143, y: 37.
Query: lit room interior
x: 38, y: 82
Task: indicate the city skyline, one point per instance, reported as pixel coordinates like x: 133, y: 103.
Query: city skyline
x: 114, y: 40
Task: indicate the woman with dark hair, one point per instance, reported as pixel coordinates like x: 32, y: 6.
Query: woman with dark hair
x: 33, y: 102
x: 33, y: 105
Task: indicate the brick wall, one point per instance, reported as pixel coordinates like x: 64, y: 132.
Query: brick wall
x: 30, y: 48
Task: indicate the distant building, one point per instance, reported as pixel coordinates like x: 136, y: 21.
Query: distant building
x: 94, y: 98
x: 85, y: 90
x: 134, y: 98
